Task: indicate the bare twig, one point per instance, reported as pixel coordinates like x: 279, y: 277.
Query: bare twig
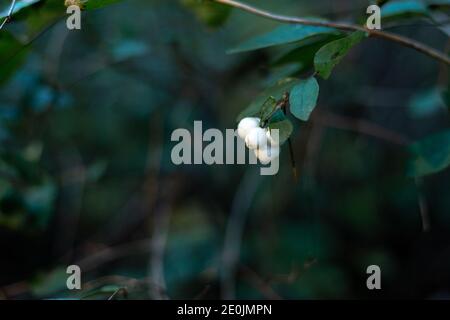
x: 407, y: 42
x: 10, y: 12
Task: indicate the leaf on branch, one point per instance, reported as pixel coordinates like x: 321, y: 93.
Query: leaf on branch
x: 403, y: 9
x: 284, y: 127
x: 332, y: 53
x: 429, y: 155
x: 303, y: 98
x: 276, y: 92
x: 303, y: 54
x: 268, y: 108
x: 284, y: 34
x: 12, y: 55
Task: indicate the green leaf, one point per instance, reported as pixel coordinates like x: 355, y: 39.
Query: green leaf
x: 210, y: 13
x: 97, y: 4
x: 303, y: 54
x: 430, y: 155
x: 20, y: 4
x: 268, y: 108
x: 277, y: 116
x: 331, y: 54
x: 276, y: 92
x: 285, y: 129
x: 42, y: 16
x: 283, y: 34
x: 403, y: 9
x: 12, y: 55
x: 303, y: 98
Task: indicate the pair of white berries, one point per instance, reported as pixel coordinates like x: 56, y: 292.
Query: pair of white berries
x: 258, y: 139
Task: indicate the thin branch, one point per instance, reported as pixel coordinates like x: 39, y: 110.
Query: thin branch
x: 407, y: 42
x: 8, y: 16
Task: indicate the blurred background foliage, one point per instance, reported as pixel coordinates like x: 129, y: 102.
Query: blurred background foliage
x: 86, y: 176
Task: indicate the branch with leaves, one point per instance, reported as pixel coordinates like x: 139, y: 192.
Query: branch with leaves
x: 407, y: 42
x: 321, y: 45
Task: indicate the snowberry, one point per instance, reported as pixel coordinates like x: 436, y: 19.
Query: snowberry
x: 265, y: 155
x: 256, y: 138
x: 247, y: 124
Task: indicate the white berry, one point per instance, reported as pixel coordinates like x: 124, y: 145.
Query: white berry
x: 256, y: 138
x: 265, y: 155
x: 247, y: 124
